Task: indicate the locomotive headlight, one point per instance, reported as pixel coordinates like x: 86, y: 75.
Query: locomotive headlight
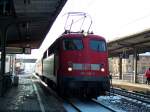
x: 69, y: 69
x: 102, y: 70
x: 85, y: 34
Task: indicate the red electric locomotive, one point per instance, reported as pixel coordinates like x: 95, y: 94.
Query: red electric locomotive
x: 77, y: 63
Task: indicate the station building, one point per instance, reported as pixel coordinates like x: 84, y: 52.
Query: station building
x: 128, y: 68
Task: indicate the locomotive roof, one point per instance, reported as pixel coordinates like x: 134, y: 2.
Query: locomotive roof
x: 88, y: 35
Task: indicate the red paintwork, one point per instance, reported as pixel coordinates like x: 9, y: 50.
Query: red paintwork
x: 84, y: 56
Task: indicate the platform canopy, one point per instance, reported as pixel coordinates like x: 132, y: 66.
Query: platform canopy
x: 27, y: 22
x: 128, y: 44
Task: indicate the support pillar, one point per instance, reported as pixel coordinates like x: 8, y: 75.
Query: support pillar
x: 3, y: 58
x: 120, y: 68
x: 4, y: 25
x: 7, y: 17
x: 135, y: 65
x: 3, y: 51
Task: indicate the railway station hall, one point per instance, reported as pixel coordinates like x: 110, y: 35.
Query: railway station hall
x: 74, y: 56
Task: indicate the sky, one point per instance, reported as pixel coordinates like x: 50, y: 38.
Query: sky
x: 112, y: 19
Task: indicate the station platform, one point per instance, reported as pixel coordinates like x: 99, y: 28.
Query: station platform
x: 144, y: 88
x: 29, y: 96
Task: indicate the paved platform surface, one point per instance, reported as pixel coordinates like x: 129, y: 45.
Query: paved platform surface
x: 29, y: 96
x: 131, y: 86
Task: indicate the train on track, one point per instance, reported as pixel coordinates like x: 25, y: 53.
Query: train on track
x: 77, y: 64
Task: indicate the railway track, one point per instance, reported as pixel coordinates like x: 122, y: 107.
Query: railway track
x: 102, y: 105
x: 109, y: 108
x: 137, y: 96
x: 126, y: 104
x: 79, y: 105
x: 82, y: 105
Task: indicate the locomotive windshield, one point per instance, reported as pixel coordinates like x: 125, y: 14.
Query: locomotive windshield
x: 72, y: 44
x: 98, y: 45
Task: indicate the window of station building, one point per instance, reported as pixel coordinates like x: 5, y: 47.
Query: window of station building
x: 98, y: 45
x: 72, y: 44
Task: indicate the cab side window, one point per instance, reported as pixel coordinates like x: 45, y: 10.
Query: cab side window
x: 98, y: 45
x: 72, y: 44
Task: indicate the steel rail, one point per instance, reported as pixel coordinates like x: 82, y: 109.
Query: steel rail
x: 95, y: 101
x: 72, y: 104
x: 142, y: 98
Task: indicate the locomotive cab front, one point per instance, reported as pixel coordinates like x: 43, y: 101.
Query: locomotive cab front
x: 83, y: 65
